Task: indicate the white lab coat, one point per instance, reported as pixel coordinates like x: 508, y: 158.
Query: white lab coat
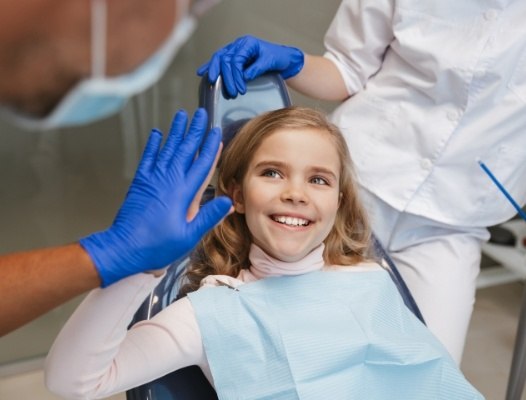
x: 435, y: 85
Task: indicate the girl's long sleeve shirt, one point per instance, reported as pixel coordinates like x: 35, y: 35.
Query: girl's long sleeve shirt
x: 95, y: 355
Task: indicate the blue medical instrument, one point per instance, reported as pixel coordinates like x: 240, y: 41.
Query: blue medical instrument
x: 520, y: 211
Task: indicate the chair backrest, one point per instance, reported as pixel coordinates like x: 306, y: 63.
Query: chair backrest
x: 265, y: 93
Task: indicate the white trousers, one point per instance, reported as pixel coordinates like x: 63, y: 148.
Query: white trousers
x: 438, y: 262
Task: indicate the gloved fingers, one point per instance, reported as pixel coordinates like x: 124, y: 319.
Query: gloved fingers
x: 204, y: 164
x: 239, y: 81
x: 185, y: 155
x: 196, y: 175
x: 245, y: 52
x: 238, y: 63
x: 203, y: 69
x: 227, y: 74
x: 251, y: 56
x: 175, y: 137
x: 209, y: 216
x: 257, y: 68
x: 213, y: 67
x: 230, y: 62
x: 217, y: 67
x: 150, y: 152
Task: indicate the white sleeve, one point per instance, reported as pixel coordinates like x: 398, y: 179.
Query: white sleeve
x: 95, y: 356
x: 357, y: 39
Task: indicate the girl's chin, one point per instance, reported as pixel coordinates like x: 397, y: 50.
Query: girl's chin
x: 288, y: 256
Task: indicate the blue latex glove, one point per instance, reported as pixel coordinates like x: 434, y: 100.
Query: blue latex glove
x: 247, y: 58
x: 151, y: 229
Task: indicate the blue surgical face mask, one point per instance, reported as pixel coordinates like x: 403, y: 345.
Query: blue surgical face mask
x: 99, y: 96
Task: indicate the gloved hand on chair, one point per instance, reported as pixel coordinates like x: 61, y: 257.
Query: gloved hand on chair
x: 158, y: 222
x: 249, y: 57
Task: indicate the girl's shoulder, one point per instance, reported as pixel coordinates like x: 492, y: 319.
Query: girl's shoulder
x: 367, y: 266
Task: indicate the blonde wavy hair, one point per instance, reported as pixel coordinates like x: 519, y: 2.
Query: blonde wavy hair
x: 224, y: 250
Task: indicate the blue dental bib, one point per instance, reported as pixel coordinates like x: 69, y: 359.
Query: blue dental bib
x: 322, y: 335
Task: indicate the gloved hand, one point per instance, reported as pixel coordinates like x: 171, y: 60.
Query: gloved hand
x: 152, y: 229
x: 247, y: 58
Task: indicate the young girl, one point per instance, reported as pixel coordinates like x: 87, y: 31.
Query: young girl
x: 289, y: 306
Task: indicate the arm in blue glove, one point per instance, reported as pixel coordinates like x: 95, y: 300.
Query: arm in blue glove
x: 154, y: 226
x: 247, y: 58
x: 157, y: 224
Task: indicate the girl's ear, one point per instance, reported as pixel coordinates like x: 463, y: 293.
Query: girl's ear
x: 237, y: 197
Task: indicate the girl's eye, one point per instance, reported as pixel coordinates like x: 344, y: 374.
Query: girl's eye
x: 271, y: 173
x: 318, y: 180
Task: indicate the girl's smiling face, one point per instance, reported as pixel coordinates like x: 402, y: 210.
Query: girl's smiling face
x: 290, y: 192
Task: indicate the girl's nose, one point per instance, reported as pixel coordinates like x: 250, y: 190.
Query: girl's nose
x: 294, y: 193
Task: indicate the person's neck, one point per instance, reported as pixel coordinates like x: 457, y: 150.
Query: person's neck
x: 263, y: 265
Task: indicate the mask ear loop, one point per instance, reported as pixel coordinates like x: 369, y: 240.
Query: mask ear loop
x: 99, y: 13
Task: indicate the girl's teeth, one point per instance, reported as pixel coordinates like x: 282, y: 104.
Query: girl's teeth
x: 292, y: 221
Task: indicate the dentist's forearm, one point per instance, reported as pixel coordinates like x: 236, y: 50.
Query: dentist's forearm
x: 34, y: 282
x: 319, y: 79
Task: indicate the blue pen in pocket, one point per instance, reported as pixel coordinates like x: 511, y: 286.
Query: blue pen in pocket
x: 520, y: 211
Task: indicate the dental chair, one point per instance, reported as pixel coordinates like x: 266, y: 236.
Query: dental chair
x: 265, y: 93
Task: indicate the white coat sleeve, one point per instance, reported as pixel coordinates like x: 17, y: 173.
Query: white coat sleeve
x: 95, y: 356
x: 358, y: 38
